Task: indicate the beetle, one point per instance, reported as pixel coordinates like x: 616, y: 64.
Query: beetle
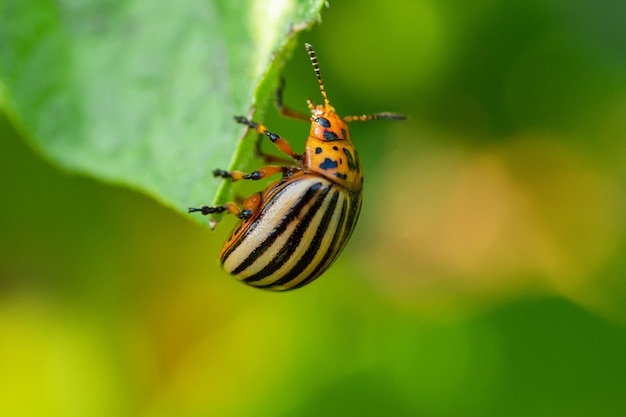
x: 292, y: 232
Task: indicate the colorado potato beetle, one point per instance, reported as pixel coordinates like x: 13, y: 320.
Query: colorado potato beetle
x: 293, y: 231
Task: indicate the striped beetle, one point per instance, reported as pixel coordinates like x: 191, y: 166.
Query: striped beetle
x: 293, y: 231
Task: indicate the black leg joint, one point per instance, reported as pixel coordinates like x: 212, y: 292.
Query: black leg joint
x: 255, y: 175
x: 221, y: 173
x: 204, y: 210
x: 244, y: 121
x: 245, y: 214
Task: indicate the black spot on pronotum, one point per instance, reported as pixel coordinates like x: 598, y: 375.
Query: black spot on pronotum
x: 352, y: 164
x: 341, y: 176
x: 318, y: 150
x: 328, y: 164
x: 330, y: 136
x: 322, y: 121
x: 335, y: 148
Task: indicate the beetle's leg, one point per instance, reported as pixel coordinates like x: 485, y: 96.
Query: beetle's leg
x: 365, y: 117
x: 263, y: 172
x: 280, y: 143
x: 239, y: 199
x: 269, y: 158
x: 231, y: 208
x: 247, y: 209
x: 284, y: 110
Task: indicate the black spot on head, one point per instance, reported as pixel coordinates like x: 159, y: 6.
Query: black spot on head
x: 318, y: 150
x: 322, y: 121
x: 328, y: 164
x: 341, y: 176
x: 344, y: 132
x: 330, y: 136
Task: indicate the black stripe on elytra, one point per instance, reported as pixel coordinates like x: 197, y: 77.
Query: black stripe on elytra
x: 332, y: 251
x: 314, y: 246
x: 280, y: 228
x: 341, y: 238
x: 293, y: 241
x: 353, y: 164
x: 353, y: 215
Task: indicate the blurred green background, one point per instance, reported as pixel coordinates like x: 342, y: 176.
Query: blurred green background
x: 486, y: 277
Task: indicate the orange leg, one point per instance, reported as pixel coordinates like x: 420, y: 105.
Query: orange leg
x: 284, y: 110
x: 231, y: 208
x: 269, y: 158
x: 248, y: 208
x: 280, y: 143
x: 260, y: 173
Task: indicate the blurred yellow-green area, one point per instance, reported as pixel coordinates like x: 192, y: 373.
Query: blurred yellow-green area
x: 485, y: 278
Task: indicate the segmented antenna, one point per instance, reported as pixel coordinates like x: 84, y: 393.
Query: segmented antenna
x: 316, y: 68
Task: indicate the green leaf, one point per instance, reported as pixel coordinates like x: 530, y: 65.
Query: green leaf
x: 143, y: 93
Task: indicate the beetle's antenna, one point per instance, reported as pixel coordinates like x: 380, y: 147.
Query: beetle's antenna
x: 316, y: 68
x: 366, y: 117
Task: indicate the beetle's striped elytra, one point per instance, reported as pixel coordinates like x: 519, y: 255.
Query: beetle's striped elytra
x: 293, y: 231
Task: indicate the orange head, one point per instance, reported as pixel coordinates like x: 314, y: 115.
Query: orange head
x: 329, y: 151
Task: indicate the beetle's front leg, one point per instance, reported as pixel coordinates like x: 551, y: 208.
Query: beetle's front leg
x: 260, y: 173
x: 245, y: 211
x: 280, y: 142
